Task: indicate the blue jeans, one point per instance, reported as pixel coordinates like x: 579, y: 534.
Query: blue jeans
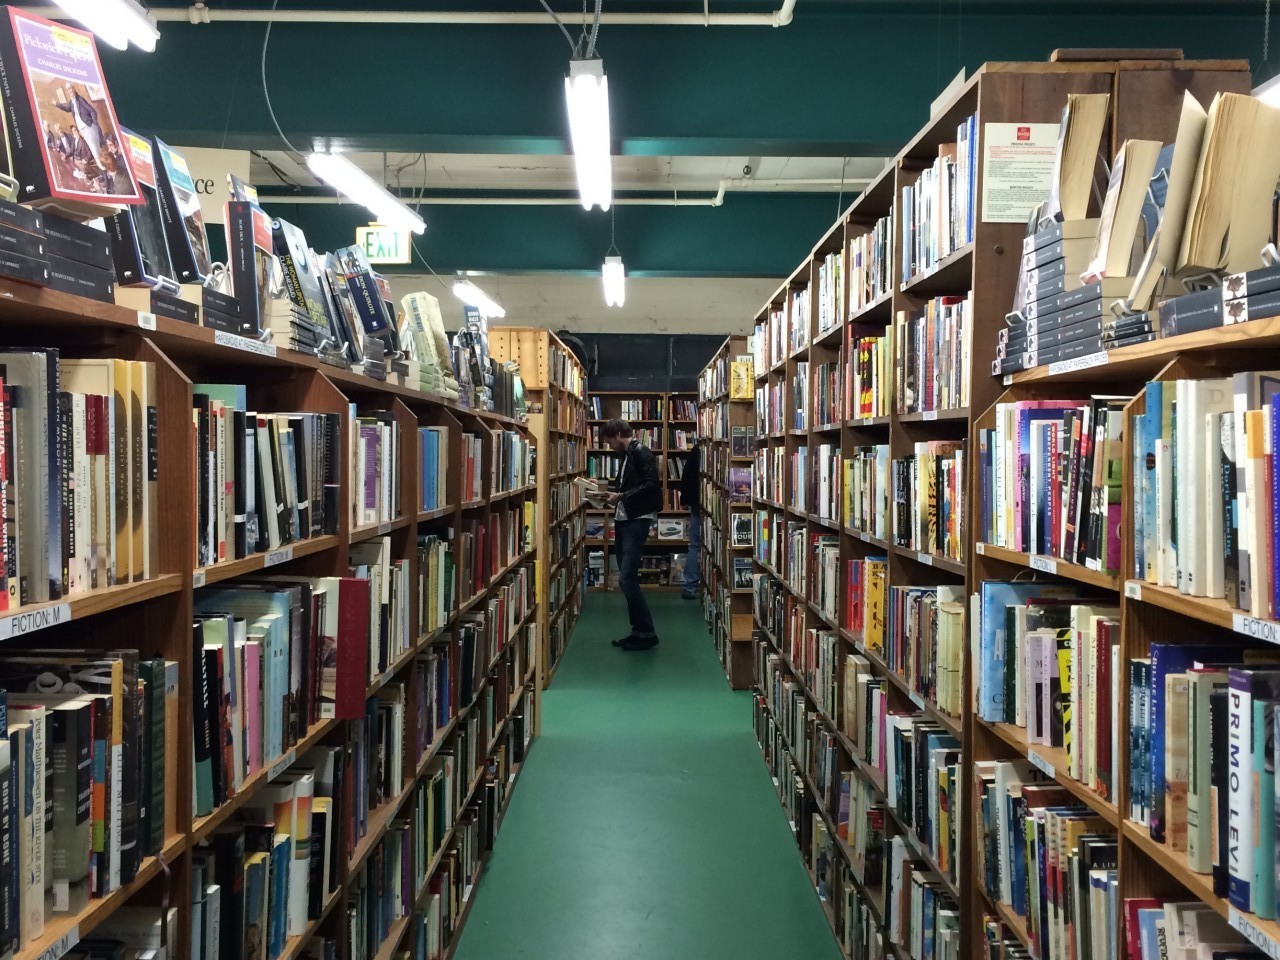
x: 692, y: 575
x: 630, y: 537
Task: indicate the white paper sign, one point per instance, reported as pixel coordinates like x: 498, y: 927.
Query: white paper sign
x: 1040, y: 763
x: 283, y: 555
x: 1017, y: 168
x: 20, y: 624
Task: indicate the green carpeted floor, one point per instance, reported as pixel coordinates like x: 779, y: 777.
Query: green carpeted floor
x: 644, y: 825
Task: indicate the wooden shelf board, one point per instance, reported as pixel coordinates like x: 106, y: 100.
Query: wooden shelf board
x: 31, y: 617
x: 867, y: 423
x: 953, y: 274
x: 932, y: 560
x: 879, y: 310
x: 231, y: 569
x: 438, y: 512
x: 1050, y: 565
x: 955, y: 415
x: 1055, y: 759
x: 369, y: 531
x: 867, y: 538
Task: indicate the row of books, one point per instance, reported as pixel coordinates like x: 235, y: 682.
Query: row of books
x: 683, y: 410
x: 78, y: 473
x: 932, y: 348
x: 828, y: 402
x: 1050, y: 479
x: 870, y: 256
x: 514, y: 461
x: 929, y: 499
x: 870, y: 378
x: 563, y: 454
x: 771, y: 406
x: 769, y: 473
x: 798, y: 387
x: 798, y: 319
x: 830, y: 291
x: 649, y: 436
x: 680, y: 440
x: 732, y: 375
x: 866, y: 489
x: 938, y: 210
x: 375, y: 467
x: 824, y: 496
x: 83, y: 772
x: 1050, y: 665
x: 263, y: 479
x: 433, y: 468
x: 1203, y: 490
x: 770, y: 341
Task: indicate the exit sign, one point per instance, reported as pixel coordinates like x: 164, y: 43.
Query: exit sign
x: 383, y: 244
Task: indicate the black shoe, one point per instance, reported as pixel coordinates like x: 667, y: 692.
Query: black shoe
x: 639, y: 643
x: 623, y: 641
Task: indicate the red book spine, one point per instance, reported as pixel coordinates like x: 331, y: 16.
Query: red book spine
x: 1102, y: 724
x: 353, y: 648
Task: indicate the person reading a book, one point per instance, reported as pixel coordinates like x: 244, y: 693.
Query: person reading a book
x: 690, y: 494
x: 636, y: 497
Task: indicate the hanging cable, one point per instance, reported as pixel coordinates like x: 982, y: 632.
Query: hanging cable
x: 563, y: 29
x: 266, y: 93
x: 613, y: 224
x: 844, y: 165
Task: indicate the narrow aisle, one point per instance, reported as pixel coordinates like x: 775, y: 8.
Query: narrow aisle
x: 645, y: 825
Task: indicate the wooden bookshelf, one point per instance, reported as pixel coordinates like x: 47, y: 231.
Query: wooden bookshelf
x: 555, y: 384
x: 155, y: 615
x: 1145, y: 97
x: 609, y: 403
x: 727, y: 608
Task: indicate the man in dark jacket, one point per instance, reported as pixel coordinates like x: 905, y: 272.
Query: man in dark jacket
x: 691, y: 498
x: 637, y: 497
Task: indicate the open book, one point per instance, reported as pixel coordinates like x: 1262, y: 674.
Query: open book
x: 592, y: 492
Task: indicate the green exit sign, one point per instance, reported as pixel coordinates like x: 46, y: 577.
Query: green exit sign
x: 383, y: 244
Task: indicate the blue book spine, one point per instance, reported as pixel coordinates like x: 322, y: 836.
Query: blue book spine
x: 1263, y: 891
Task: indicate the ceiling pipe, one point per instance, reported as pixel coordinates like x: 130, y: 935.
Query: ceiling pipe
x: 675, y: 200
x: 201, y: 13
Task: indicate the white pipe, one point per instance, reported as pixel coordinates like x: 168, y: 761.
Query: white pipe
x: 675, y: 200
x: 199, y: 13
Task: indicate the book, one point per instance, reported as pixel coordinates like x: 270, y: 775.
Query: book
x: 138, y: 244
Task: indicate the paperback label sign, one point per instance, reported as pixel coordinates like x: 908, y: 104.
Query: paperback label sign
x: 1267, y: 630
x: 1098, y: 359
x: 283, y: 555
x: 20, y: 624
x: 1040, y: 763
x: 1244, y: 925
x: 235, y: 342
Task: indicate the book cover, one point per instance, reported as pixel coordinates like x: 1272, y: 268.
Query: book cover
x: 184, y: 228
x: 139, y: 248
x: 249, y: 262
x: 66, y: 142
x: 301, y: 278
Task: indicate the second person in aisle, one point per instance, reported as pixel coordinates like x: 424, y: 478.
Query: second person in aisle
x: 637, y: 498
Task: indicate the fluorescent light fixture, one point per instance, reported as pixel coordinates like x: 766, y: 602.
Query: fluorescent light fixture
x: 586, y: 93
x: 473, y: 296
x: 615, y: 282
x: 357, y: 186
x: 116, y: 22
x: 1269, y: 92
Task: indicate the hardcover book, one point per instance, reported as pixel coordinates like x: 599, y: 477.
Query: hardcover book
x: 249, y: 261
x: 138, y: 244
x: 180, y: 211
x: 66, y: 144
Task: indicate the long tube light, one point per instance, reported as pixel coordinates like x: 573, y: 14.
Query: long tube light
x: 473, y: 296
x: 116, y: 22
x: 586, y: 93
x: 615, y: 282
x: 348, y: 179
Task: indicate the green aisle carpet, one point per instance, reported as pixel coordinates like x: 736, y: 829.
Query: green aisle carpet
x: 644, y: 825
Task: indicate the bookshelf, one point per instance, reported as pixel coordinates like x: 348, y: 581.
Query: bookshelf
x: 486, y: 734
x: 726, y: 424
x: 555, y: 384
x: 668, y: 416
x: 860, y: 601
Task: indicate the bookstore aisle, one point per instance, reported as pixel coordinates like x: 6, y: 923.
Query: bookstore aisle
x: 645, y: 826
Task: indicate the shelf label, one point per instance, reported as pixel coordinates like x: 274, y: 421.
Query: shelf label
x: 62, y: 946
x: 931, y: 414
x: 282, y: 764
x: 1133, y: 589
x: 385, y: 526
x: 236, y: 342
x: 925, y: 558
x: 1043, y: 564
x: 1098, y: 359
x: 981, y: 547
x: 147, y: 321
x: 198, y: 579
x: 20, y: 624
x: 1040, y: 763
x: 1267, y: 630
x: 1007, y: 380
x: 1244, y: 925
x: 283, y: 555
x: 916, y: 698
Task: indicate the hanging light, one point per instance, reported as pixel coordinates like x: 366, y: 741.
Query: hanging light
x: 615, y: 282
x: 116, y: 22
x: 473, y: 296
x: 357, y: 186
x: 586, y: 92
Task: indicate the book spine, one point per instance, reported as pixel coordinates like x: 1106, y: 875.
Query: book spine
x: 1241, y: 796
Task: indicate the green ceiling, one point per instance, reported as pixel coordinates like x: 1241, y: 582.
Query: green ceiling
x: 844, y: 79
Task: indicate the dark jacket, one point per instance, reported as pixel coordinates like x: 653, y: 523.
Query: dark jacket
x: 691, y: 480
x: 641, y: 486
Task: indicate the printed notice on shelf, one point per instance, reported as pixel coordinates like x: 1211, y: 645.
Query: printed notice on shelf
x: 283, y: 555
x: 1267, y: 630
x: 1133, y: 589
x: 1098, y: 359
x: 62, y: 946
x: 224, y: 339
x: 282, y: 764
x: 147, y: 321
x: 1017, y: 166
x: 20, y: 624
x: 1043, y: 564
x: 1244, y: 925
x: 1040, y: 763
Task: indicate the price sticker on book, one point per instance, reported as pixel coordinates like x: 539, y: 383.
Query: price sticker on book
x: 1267, y: 630
x: 1040, y: 763
x: 1098, y: 359
x: 236, y: 342
x: 21, y: 624
x: 1043, y: 564
x: 62, y: 946
x: 1133, y: 589
x: 1243, y: 924
x: 147, y: 321
x: 283, y: 555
